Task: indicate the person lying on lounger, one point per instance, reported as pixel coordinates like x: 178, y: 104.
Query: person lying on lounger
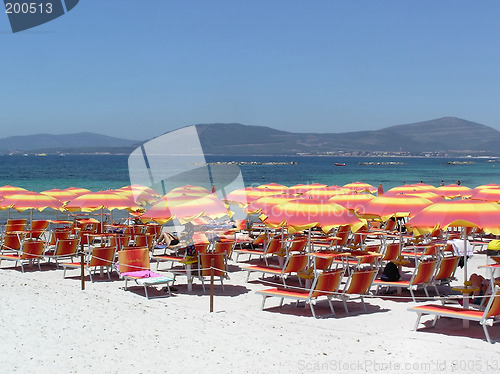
x: 168, y: 239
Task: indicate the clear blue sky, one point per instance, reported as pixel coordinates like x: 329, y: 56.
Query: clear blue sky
x: 139, y: 68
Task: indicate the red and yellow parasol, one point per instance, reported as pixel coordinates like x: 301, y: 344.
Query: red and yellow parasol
x: 361, y: 187
x: 303, y: 214
x: 453, y: 191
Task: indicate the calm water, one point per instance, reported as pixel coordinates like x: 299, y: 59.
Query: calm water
x: 106, y: 172
x: 102, y: 172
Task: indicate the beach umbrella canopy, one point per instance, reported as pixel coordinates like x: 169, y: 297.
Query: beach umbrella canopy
x: 185, y: 209
x: 385, y: 207
x: 435, y: 198
x: 353, y: 201
x: 486, y: 194
x: 326, y: 193
x: 303, y: 214
x: 78, y: 190
x: 30, y: 200
x: 189, y: 188
x: 491, y: 185
x: 272, y: 186
x: 452, y: 191
x: 458, y: 213
x: 302, y: 188
x: 61, y: 195
x: 409, y: 188
x: 8, y: 190
x: 141, y: 194
x: 264, y: 204
x: 361, y: 187
x: 109, y: 200
x: 245, y: 196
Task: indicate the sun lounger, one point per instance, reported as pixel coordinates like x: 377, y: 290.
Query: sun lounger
x: 422, y: 276
x: 31, y: 251
x: 486, y: 318
x: 359, y: 283
x: 325, y: 284
x: 99, y: 257
x: 134, y: 265
x: 294, y: 263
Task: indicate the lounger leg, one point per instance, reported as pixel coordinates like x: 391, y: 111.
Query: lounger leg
x: 125, y: 284
x: 363, y: 302
x: 312, y: 309
x: 248, y: 275
x: 64, y: 274
x: 426, y: 292
x: 331, y: 306
x: 281, y: 301
x: 419, y: 315
x: 435, y: 320
x: 345, y: 306
x: 146, y: 291
x: 486, y: 333
x: 412, y: 295
x: 264, y: 297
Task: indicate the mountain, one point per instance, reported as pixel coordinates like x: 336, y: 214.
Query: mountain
x: 447, y: 135
x: 80, y: 142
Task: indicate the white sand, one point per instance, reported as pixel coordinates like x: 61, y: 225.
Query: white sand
x: 48, y: 323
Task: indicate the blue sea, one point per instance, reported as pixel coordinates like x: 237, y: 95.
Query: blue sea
x: 101, y: 172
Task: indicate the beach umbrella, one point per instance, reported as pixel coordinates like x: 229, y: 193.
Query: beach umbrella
x: 245, y: 196
x: 385, y: 207
x: 360, y: 187
x: 325, y: 193
x: 271, y: 186
x: 189, y: 188
x: 486, y: 194
x: 141, y: 194
x: 185, y: 209
x: 435, y: 198
x: 353, y: 201
x: 30, y: 201
x: 78, y: 190
x: 304, y: 214
x: 302, y: 188
x: 409, y: 188
x: 264, y: 204
x: 108, y: 199
x: 484, y: 186
x: 8, y: 190
x: 452, y: 191
x: 61, y: 195
x: 458, y: 213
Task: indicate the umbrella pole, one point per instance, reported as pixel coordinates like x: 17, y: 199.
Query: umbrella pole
x: 465, y: 253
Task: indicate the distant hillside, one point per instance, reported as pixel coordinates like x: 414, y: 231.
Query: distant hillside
x: 448, y: 135
x: 65, y: 143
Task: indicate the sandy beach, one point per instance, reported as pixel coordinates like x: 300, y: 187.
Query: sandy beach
x: 49, y: 323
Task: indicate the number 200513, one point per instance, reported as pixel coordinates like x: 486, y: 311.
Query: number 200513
x: 27, y: 8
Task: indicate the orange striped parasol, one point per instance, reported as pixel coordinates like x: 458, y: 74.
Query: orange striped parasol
x: 108, y: 199
x: 264, y: 204
x: 8, y: 190
x: 303, y: 214
x: 486, y: 194
x: 185, y: 209
x: 302, y: 188
x: 452, y: 191
x: 61, y: 195
x: 140, y: 194
x: 361, y: 187
x: 30, y: 200
x: 458, y: 213
x: 353, y: 201
x: 385, y: 207
x: 326, y: 193
x: 245, y: 196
